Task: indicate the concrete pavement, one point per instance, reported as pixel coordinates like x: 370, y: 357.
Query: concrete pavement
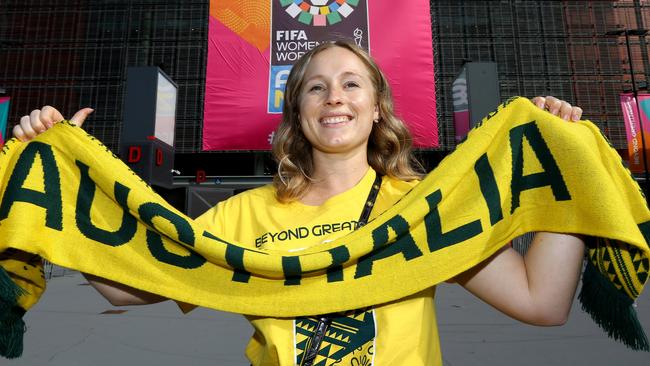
x: 72, y: 325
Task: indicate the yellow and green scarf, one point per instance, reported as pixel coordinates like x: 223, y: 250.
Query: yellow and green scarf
x: 66, y: 198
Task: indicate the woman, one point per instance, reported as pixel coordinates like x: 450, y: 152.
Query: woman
x: 339, y: 147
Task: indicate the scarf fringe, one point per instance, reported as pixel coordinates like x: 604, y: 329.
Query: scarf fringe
x: 12, y: 326
x: 611, y: 310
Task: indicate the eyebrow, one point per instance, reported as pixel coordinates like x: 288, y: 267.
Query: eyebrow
x: 345, y: 74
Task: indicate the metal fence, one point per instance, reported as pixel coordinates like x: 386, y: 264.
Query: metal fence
x: 74, y: 53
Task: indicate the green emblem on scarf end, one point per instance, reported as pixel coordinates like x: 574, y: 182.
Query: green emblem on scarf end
x: 12, y: 326
x: 612, y: 310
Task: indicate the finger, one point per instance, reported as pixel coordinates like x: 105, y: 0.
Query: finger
x: 540, y: 102
x: 18, y: 133
x: 576, y: 114
x: 553, y: 105
x: 81, y: 115
x: 26, y: 127
x: 565, y: 110
x: 35, y: 122
x: 50, y: 115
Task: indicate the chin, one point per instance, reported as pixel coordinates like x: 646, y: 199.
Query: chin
x: 341, y: 147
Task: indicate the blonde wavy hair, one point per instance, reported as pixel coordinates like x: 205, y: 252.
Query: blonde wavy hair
x: 389, y: 147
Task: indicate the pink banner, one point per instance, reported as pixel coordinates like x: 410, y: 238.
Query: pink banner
x: 633, y: 130
x: 245, y: 84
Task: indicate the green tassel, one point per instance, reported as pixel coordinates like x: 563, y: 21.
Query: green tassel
x: 612, y: 310
x: 12, y: 326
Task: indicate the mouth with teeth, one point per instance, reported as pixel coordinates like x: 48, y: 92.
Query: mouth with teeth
x: 335, y: 120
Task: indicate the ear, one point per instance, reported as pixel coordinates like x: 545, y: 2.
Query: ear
x: 375, y: 115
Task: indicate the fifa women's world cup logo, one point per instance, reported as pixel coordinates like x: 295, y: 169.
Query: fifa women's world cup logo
x: 297, y: 26
x: 319, y: 12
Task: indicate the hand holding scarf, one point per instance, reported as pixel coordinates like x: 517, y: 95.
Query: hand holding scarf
x: 66, y: 198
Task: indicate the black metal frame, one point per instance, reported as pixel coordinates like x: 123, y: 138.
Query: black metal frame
x: 74, y: 53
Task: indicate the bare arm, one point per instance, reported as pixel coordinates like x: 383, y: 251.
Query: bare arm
x: 37, y: 122
x: 121, y: 295
x: 538, y: 288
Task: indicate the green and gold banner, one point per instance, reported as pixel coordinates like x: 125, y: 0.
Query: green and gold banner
x: 66, y: 198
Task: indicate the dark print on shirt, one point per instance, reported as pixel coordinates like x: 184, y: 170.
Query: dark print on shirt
x: 349, y: 340
x: 303, y: 232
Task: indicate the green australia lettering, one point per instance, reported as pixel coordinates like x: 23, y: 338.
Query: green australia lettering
x: 435, y: 237
x: 550, y: 176
x: 234, y: 258
x: 292, y: 270
x: 148, y: 211
x: 340, y: 255
x: 404, y: 244
x: 85, y: 197
x: 49, y: 199
x: 489, y: 188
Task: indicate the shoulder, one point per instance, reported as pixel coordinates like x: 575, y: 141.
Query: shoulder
x: 264, y: 195
x: 395, y: 186
x: 392, y: 190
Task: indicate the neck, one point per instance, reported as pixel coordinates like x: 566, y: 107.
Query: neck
x: 334, y: 174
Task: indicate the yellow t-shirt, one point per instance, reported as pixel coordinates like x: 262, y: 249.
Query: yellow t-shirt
x: 403, y: 332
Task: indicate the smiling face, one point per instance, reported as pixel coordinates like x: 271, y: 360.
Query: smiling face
x: 337, y: 102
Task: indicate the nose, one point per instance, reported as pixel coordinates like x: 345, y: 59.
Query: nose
x: 334, y: 96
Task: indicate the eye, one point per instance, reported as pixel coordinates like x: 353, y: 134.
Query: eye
x: 315, y: 88
x: 351, y: 84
